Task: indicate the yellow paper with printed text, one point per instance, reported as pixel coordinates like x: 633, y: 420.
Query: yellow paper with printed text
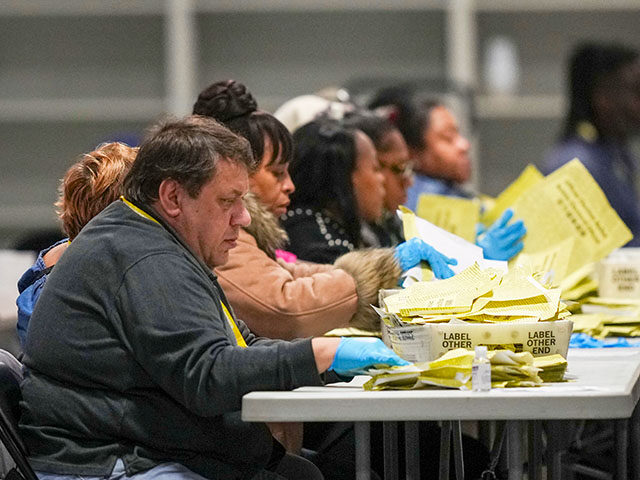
x: 569, y: 204
x: 456, y: 215
x: 529, y: 177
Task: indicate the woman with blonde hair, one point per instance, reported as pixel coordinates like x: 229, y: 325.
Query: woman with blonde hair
x: 88, y: 186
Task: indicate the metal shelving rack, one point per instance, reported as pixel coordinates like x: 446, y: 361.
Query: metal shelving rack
x: 183, y: 58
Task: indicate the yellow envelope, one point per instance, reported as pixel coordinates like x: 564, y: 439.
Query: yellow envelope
x: 568, y: 203
x: 529, y: 177
x: 456, y: 215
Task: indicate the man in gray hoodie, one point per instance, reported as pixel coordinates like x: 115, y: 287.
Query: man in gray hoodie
x: 136, y: 366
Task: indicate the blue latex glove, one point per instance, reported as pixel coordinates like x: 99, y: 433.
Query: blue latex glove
x: 410, y: 253
x: 582, y: 340
x: 502, y: 241
x: 355, y: 354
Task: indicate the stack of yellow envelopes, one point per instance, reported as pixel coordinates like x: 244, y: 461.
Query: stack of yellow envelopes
x: 453, y: 370
x: 475, y: 295
x: 608, y: 317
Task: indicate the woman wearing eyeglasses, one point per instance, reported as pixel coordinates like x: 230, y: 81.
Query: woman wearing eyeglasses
x: 441, y: 155
x: 396, y: 167
x: 339, y: 191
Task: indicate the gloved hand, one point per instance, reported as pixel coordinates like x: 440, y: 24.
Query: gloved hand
x: 410, y: 253
x: 354, y: 355
x: 502, y: 241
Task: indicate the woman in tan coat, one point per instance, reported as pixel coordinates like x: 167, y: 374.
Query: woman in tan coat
x: 275, y: 298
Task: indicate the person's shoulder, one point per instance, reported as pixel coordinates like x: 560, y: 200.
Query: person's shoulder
x: 573, y: 147
x: 54, y: 253
x: 118, y: 237
x: 433, y: 186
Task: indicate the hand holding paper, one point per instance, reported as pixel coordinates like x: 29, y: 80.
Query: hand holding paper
x: 412, y: 252
x: 354, y: 355
x: 502, y: 241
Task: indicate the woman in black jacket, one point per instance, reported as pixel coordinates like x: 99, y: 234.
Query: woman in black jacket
x: 339, y: 186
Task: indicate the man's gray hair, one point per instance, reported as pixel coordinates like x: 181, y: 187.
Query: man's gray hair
x: 186, y: 150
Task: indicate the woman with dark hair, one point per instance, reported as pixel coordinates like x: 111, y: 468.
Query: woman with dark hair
x: 338, y: 182
x: 340, y: 188
x: 441, y: 161
x: 604, y: 112
x: 439, y: 151
x: 396, y: 167
x: 280, y: 299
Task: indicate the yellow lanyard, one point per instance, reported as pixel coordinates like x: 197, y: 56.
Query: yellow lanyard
x: 234, y: 327
x: 139, y: 211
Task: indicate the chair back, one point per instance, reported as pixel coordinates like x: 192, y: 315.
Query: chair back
x: 10, y: 396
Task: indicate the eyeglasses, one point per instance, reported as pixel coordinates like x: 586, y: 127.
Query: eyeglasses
x: 405, y: 171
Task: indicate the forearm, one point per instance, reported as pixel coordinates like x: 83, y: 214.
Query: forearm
x: 324, y: 350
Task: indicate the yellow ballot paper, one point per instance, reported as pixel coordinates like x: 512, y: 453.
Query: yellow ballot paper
x: 466, y: 253
x: 453, y: 295
x: 481, y: 296
x: 554, y: 260
x: 453, y: 370
x: 603, y: 317
x: 568, y: 203
x: 456, y: 215
x: 529, y: 177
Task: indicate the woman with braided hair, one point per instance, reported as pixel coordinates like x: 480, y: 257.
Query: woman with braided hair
x: 279, y: 299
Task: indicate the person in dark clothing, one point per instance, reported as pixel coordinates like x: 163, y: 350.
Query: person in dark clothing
x: 340, y: 187
x: 437, y: 147
x: 604, y: 113
x: 134, y: 360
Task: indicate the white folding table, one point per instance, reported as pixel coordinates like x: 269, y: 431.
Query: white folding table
x: 604, y: 384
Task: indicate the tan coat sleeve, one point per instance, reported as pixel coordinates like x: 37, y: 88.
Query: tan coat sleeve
x: 275, y: 303
x: 303, y: 269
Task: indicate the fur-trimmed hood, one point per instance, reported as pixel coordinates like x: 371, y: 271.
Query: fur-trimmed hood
x: 264, y: 227
x: 372, y: 269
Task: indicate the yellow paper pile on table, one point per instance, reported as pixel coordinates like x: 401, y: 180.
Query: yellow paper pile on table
x: 453, y: 370
x: 475, y: 295
x: 570, y: 224
x: 608, y: 317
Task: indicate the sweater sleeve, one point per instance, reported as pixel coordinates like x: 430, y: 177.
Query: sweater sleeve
x: 180, y: 336
x: 287, y: 303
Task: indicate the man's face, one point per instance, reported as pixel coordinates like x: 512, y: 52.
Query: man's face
x: 211, y: 222
x: 447, y: 152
